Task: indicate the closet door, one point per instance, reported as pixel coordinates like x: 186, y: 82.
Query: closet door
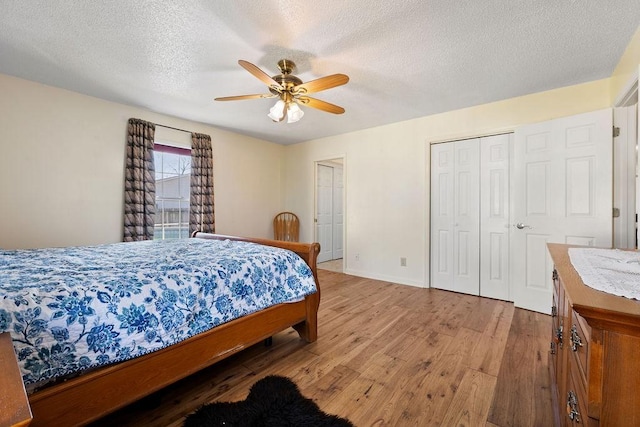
x: 466, y: 228
x: 441, y: 236
x: 455, y: 210
x: 494, y: 216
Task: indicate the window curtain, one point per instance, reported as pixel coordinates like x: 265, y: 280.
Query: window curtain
x: 139, y: 182
x: 201, y: 209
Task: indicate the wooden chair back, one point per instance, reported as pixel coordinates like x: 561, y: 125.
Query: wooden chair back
x: 286, y: 226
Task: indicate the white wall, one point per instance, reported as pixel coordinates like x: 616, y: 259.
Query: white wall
x: 387, y: 176
x: 62, y: 160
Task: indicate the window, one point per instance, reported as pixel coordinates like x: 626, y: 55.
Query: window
x: 173, y: 179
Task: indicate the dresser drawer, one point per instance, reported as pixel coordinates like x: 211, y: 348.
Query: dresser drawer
x: 577, y: 340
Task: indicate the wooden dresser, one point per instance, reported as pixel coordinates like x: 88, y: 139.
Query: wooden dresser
x: 595, y: 351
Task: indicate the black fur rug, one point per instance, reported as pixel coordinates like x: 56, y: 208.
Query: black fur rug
x: 273, y: 401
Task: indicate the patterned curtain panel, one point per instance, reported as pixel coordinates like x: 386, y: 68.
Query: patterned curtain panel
x: 139, y: 182
x: 201, y: 209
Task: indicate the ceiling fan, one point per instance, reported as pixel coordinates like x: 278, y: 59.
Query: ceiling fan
x: 291, y: 91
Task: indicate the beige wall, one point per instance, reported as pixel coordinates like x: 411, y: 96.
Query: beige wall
x: 386, y: 176
x: 626, y: 72
x: 62, y: 169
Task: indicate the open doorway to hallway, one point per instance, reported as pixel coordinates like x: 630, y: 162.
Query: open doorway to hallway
x: 329, y: 213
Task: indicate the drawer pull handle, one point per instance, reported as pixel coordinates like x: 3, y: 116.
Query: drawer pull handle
x: 575, y: 338
x: 553, y: 347
x: 572, y: 407
x: 559, y: 335
x: 554, y: 311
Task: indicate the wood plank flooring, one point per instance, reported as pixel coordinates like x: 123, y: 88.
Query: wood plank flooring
x: 388, y: 355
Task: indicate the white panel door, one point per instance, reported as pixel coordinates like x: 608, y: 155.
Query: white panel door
x: 441, y: 235
x: 338, y: 212
x: 561, y: 193
x: 324, y: 209
x: 466, y: 207
x: 494, y: 216
x: 455, y: 216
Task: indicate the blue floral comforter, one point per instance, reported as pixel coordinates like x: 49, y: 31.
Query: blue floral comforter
x: 69, y: 309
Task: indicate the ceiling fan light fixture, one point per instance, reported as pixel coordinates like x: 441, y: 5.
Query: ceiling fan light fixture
x: 276, y: 113
x: 291, y: 91
x: 294, y: 112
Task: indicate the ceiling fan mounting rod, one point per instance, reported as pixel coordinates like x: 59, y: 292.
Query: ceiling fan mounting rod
x: 286, y: 66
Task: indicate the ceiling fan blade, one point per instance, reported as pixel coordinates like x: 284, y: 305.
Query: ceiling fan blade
x: 323, y: 83
x: 320, y: 105
x: 266, y: 79
x: 239, y: 97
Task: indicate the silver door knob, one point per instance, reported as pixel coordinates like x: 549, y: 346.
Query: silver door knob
x: 520, y: 226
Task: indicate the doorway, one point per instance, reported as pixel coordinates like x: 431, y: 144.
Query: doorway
x: 329, y: 212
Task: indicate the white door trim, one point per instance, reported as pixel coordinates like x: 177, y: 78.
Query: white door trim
x: 624, y: 177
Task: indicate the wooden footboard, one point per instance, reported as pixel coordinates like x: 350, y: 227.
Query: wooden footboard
x: 14, y: 406
x: 307, y: 329
x: 93, y: 395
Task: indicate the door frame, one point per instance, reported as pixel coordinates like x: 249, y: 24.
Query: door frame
x: 627, y: 97
x: 625, y: 162
x: 331, y: 161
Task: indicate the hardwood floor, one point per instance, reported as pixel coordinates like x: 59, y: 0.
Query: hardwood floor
x: 389, y: 355
x: 333, y: 265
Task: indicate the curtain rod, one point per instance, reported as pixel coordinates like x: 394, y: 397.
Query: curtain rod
x: 171, y: 127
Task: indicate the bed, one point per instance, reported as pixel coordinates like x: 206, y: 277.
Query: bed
x: 93, y: 394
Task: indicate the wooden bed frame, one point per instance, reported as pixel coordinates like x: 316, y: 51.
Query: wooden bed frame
x: 93, y: 395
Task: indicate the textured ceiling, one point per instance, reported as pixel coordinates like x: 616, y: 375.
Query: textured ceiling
x: 405, y: 58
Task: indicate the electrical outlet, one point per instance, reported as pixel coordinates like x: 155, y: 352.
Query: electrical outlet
x: 403, y: 262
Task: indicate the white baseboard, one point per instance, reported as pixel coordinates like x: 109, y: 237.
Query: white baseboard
x: 385, y: 278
